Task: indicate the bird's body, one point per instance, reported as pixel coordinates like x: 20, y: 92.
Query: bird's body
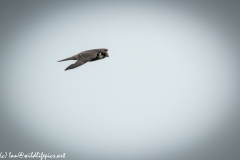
x: 86, y: 56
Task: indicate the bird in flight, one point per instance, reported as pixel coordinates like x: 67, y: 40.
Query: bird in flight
x: 86, y: 56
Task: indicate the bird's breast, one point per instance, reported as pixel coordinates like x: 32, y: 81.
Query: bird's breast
x: 100, y: 57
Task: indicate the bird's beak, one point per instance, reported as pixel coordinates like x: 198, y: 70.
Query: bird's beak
x: 107, y: 55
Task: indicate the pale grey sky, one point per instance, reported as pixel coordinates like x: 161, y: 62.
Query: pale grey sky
x: 169, y: 88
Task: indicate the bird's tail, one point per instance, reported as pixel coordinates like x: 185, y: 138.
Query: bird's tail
x: 70, y: 58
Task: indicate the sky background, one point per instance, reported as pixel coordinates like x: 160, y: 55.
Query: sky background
x: 169, y: 90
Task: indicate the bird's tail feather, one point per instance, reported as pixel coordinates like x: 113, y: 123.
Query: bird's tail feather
x: 70, y: 58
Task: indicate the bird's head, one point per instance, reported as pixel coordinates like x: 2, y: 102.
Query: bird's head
x: 104, y: 52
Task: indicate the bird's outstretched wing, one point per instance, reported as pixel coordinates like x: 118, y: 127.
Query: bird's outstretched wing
x: 76, y: 64
x: 82, y: 58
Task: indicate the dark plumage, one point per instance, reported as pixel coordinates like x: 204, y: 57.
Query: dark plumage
x: 86, y: 56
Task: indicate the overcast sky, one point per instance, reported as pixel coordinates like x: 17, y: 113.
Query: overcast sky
x: 169, y: 89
